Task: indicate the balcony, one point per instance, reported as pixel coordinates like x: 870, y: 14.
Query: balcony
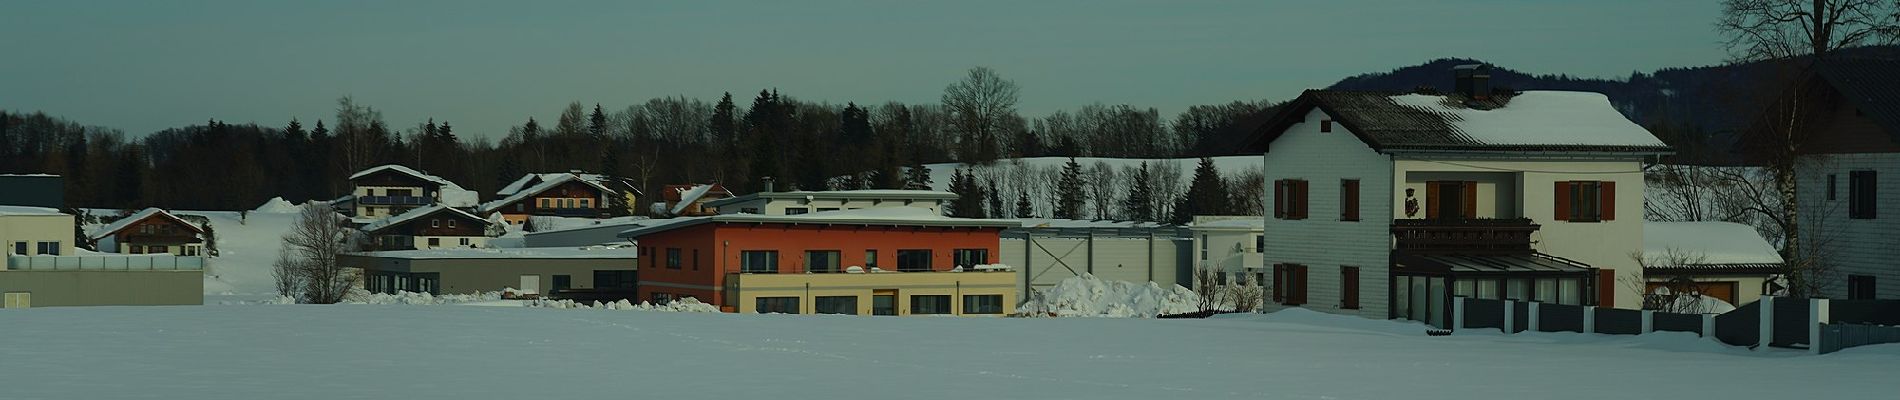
x: 393, y: 200
x: 1470, y: 236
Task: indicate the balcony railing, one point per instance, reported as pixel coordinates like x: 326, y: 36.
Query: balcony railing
x: 394, y: 200
x: 105, y: 263
x: 1504, y: 235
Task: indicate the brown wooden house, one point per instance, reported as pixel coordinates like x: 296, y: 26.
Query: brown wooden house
x: 429, y: 227
x: 388, y: 190
x: 151, y: 231
x: 570, y: 194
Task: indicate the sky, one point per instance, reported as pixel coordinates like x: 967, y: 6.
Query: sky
x: 143, y: 66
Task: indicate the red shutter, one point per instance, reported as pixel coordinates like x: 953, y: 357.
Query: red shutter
x: 1349, y: 211
x: 1470, y: 199
x: 1563, y: 202
x: 1279, y: 199
x: 1431, y: 200
x: 1349, y: 284
x: 1279, y: 283
x: 1606, y: 288
x: 1300, y: 206
x: 1299, y: 284
x: 1606, y: 195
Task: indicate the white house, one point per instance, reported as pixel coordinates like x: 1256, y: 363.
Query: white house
x: 1477, y: 192
x: 1231, y: 246
x: 1849, y: 178
x: 388, y: 190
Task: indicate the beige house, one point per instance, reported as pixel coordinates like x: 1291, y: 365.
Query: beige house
x: 1721, y: 260
x: 42, y: 268
x: 465, y: 271
x: 966, y: 293
x: 1231, y: 246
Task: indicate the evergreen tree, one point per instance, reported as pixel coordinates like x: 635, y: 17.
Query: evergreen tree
x: 1070, y: 196
x: 917, y: 176
x: 996, y: 200
x: 597, y: 123
x: 1206, y: 195
x: 1023, y: 208
x: 722, y: 125
x: 1139, y: 204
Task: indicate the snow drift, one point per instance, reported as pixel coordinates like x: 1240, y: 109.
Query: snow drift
x: 1088, y: 296
x: 276, y: 205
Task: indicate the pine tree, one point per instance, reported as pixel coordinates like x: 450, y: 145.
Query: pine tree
x: 917, y: 177
x: 597, y: 123
x: 996, y: 200
x: 1139, y: 204
x: 722, y: 125
x: 1207, y: 194
x: 969, y: 202
x: 1070, y: 196
x: 1023, y: 208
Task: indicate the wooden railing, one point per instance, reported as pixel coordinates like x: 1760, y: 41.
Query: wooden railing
x: 1508, y: 235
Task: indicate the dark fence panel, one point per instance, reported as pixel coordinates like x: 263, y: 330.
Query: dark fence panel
x: 1520, y: 317
x: 1791, y: 322
x: 1559, y: 318
x: 1484, y: 313
x: 1673, y: 322
x: 1619, y: 321
x: 1866, y: 312
x: 1741, y: 327
x: 1835, y: 337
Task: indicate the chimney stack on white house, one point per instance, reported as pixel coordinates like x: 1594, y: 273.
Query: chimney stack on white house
x: 1473, y: 80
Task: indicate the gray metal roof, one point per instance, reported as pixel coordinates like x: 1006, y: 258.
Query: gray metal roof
x: 1521, y: 263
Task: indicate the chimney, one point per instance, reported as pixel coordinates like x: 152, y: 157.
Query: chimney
x: 1473, y: 81
x: 768, y: 184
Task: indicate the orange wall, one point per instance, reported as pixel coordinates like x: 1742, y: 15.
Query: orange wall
x: 719, y: 246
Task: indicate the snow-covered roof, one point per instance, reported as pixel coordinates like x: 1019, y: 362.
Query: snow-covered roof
x: 26, y: 210
x: 529, y: 180
x: 122, y: 223
x: 547, y: 181
x: 417, y: 212
x: 1083, y: 223
x: 690, y: 196
x: 1710, y: 242
x: 867, y: 194
x: 452, y: 195
x: 1541, y: 121
x: 526, y: 252
x: 897, y: 216
x: 1257, y: 223
x: 1540, y: 118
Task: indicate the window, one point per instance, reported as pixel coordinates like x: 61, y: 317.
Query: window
x: 781, y: 305
x: 883, y: 303
x: 929, y: 304
x: 870, y: 258
x: 1349, y: 288
x: 758, y: 261
x: 1831, y: 178
x: 1289, y: 199
x: 435, y: 223
x: 672, y: 258
x: 19, y: 248
x: 1861, y: 194
x: 1203, y: 247
x: 1325, y: 125
x: 1451, y: 200
x: 796, y: 210
x: 983, y: 304
x: 1586, y: 201
x: 544, y: 203
x: 1860, y: 287
x: 1259, y: 243
x: 49, y: 248
x: 155, y: 249
x: 821, y: 260
x: 913, y: 260
x: 135, y: 249
x: 1289, y: 284
x: 970, y: 257
x: 465, y: 241
x: 847, y: 305
x: 827, y: 209
x: 587, y: 203
x: 616, y: 279
x: 451, y: 223
x: 1348, y: 199
x: 435, y: 242
x: 563, y: 282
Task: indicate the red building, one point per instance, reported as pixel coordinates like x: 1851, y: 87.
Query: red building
x: 694, y: 257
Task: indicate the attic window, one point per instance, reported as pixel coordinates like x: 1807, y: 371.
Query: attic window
x: 1325, y: 125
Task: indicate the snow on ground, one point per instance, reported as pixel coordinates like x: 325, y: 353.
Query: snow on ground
x: 1087, y: 296
x: 1229, y: 166
x: 247, y: 245
x: 459, y: 352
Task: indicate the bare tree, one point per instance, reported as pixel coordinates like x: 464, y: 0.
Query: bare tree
x: 1166, y: 187
x: 1210, y: 289
x: 311, y: 249
x: 1104, y: 190
x: 981, y: 105
x: 1679, y: 294
x: 1247, y: 191
x: 285, y: 272
x: 1246, y: 294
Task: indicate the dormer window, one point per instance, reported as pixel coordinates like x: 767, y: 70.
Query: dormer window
x: 1325, y: 125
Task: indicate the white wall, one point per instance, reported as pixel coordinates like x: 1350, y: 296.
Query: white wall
x: 451, y: 242
x: 1607, y: 244
x: 1853, y: 246
x: 1322, y: 242
x: 1229, y: 251
x: 1049, y: 260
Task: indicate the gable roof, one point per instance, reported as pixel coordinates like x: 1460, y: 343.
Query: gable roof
x: 1870, y: 84
x: 674, y: 193
x: 546, y: 181
x: 1551, y: 121
x: 123, y: 223
x: 418, y: 212
x: 451, y: 194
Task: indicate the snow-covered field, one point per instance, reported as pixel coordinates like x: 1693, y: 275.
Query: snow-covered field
x: 465, y: 352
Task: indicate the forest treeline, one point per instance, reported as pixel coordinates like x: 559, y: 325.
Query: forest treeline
x: 668, y: 140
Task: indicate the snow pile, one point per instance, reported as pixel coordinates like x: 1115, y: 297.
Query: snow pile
x: 688, y: 304
x: 1088, y: 296
x: 276, y: 205
x: 363, y: 297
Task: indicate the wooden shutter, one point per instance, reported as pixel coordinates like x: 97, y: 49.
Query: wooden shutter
x: 1300, y: 206
x: 1349, y: 207
x: 1349, y: 288
x: 1606, y: 288
x: 1871, y: 210
x: 1606, y: 200
x: 1470, y: 199
x: 1279, y: 199
x: 1279, y: 283
x: 1563, y: 202
x: 1431, y: 200
x: 1299, y: 284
